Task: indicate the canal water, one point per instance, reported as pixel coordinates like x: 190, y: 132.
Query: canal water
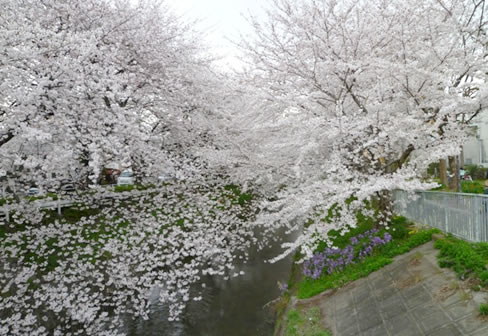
x: 234, y: 307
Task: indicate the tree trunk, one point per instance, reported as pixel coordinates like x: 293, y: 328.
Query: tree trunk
x: 458, y: 174
x: 385, y: 206
x: 443, y: 171
x: 454, y: 168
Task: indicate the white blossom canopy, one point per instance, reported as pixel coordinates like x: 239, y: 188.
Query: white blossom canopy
x: 343, y: 101
x: 355, y: 99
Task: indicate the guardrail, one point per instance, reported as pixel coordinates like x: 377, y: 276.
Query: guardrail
x: 59, y: 204
x: 463, y: 215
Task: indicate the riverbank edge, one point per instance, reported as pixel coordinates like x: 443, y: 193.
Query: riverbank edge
x: 290, y: 301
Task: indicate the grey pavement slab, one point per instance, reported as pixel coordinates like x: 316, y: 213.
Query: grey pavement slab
x: 410, y: 297
x: 471, y: 324
x: 402, y: 325
x: 378, y: 330
x: 447, y: 330
x: 432, y: 321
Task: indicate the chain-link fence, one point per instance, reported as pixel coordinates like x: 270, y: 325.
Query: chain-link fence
x: 463, y: 215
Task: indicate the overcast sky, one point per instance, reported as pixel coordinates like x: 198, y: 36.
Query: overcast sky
x: 222, y: 19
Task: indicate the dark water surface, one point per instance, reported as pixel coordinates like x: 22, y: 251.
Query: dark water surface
x: 228, y: 308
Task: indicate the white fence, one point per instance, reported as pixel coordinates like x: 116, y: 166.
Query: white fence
x: 463, y: 215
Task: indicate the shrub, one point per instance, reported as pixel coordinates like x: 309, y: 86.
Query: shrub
x: 480, y: 174
x: 472, y: 187
x: 399, y: 220
x: 476, y: 172
x: 399, y: 231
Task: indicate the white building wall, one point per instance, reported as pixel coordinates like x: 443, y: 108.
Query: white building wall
x: 472, y: 152
x: 476, y: 148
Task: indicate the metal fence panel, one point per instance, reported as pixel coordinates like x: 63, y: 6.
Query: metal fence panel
x: 463, y: 215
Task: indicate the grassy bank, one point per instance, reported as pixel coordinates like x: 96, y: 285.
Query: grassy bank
x: 88, y: 228
x: 305, y: 322
x: 469, y: 187
x: 358, y: 253
x: 467, y: 259
x: 363, y: 250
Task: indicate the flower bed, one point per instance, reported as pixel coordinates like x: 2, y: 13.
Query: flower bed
x: 332, y: 259
x: 358, y: 253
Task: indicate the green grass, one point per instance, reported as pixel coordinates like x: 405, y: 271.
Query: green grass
x: 469, y: 187
x: 52, y: 195
x: 94, y: 235
x: 122, y: 188
x: 483, y: 309
x: 284, y: 301
x: 237, y: 196
x: 39, y: 197
x: 310, y: 287
x: 305, y: 323
x: 466, y: 259
x: 402, y: 242
x: 74, y: 214
x: 341, y: 241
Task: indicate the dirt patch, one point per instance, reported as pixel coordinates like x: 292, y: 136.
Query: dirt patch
x: 483, y: 318
x: 415, y: 259
x: 314, y: 301
x: 414, y: 262
x: 409, y: 281
x: 444, y: 292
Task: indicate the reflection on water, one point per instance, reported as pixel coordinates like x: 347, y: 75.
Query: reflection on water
x: 228, y: 308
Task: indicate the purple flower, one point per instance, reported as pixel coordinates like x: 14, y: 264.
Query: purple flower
x: 377, y: 241
x: 283, y: 287
x: 333, y: 259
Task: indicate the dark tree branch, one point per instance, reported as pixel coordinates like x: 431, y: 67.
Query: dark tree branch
x: 6, y: 138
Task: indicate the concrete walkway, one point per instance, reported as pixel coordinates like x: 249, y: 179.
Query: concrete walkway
x: 412, y: 296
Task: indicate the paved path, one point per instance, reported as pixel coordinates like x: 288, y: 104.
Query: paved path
x: 412, y: 296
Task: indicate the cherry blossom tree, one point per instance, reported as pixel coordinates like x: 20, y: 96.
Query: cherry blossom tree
x: 357, y: 98
x: 84, y: 83
x: 342, y: 103
x: 91, y: 276
x: 102, y: 80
